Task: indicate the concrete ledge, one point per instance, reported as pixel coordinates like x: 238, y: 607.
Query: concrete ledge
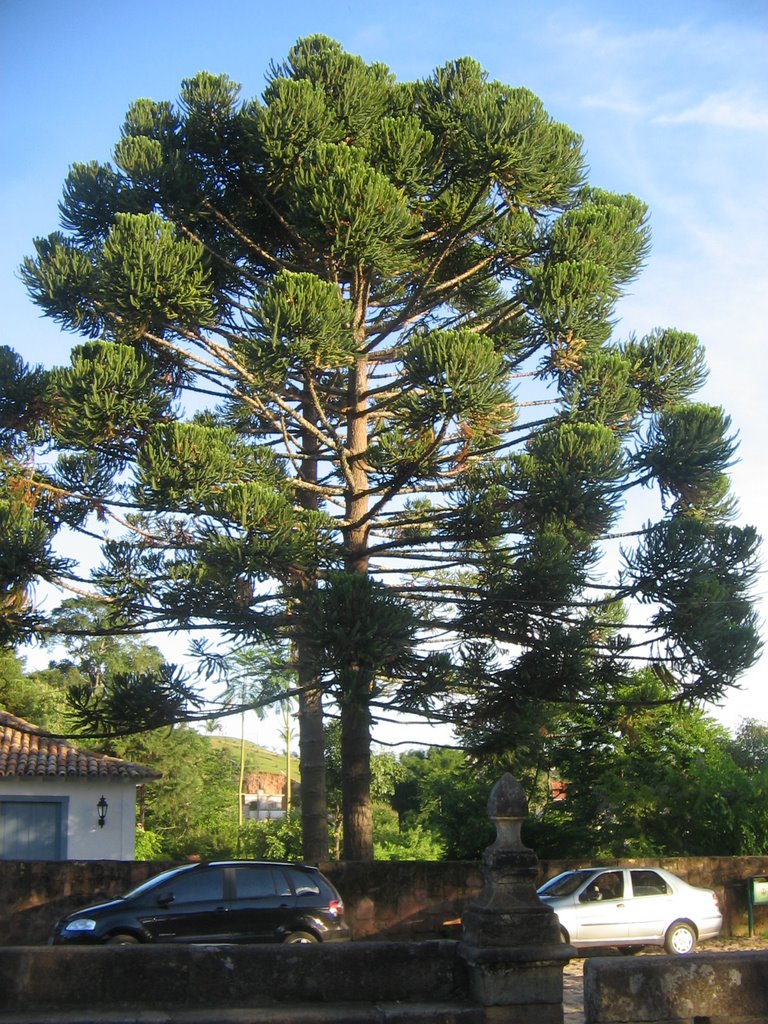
x: 706, y: 988
x: 147, y: 980
x: 337, y: 1013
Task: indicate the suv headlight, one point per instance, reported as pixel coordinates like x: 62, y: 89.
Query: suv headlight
x: 81, y: 924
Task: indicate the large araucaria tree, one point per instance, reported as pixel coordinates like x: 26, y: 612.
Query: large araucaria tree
x: 347, y: 380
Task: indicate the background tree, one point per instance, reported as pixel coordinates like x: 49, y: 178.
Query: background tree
x: 639, y: 776
x: 443, y: 792
x: 749, y: 748
x: 388, y: 310
x: 394, y: 838
x: 192, y: 809
x: 37, y: 697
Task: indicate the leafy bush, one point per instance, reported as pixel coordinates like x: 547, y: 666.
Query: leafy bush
x: 275, y: 839
x: 149, y: 845
x: 390, y: 842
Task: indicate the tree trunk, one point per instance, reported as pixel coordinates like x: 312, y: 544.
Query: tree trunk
x: 356, y: 768
x: 314, y: 802
x: 355, y: 716
x: 314, y: 808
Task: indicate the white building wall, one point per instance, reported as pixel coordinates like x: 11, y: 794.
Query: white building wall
x: 262, y: 806
x: 83, y: 837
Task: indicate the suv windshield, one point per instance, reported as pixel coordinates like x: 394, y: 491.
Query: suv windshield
x: 156, y: 880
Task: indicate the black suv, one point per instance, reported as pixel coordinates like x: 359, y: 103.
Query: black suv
x: 222, y: 901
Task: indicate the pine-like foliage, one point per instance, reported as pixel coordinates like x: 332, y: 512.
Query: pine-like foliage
x: 359, y: 328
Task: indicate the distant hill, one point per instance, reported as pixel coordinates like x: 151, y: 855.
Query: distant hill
x: 257, y: 759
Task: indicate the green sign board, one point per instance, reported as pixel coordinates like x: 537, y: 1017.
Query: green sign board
x: 760, y: 890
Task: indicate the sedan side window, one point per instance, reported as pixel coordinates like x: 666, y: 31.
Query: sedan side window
x: 607, y: 886
x: 648, y: 883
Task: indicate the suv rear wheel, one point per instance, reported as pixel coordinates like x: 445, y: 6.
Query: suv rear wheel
x: 301, y: 937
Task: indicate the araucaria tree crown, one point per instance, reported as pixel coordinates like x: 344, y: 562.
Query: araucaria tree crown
x: 347, y: 377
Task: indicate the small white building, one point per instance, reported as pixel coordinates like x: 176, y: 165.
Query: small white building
x: 264, y: 796
x: 59, y: 802
x: 262, y: 806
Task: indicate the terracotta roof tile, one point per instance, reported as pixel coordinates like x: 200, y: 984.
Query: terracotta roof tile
x: 26, y: 750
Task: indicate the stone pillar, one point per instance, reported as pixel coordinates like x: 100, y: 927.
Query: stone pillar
x: 511, y: 941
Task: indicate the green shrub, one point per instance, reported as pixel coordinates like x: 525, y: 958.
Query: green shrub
x: 149, y: 846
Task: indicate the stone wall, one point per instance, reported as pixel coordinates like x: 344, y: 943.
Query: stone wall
x: 699, y: 989
x: 34, y: 894
x: 384, y: 900
x: 205, y: 982
x: 405, y: 899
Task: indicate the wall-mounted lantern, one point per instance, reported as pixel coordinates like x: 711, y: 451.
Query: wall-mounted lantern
x: 101, y: 810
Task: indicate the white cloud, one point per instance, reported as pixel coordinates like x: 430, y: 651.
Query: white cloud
x: 615, y: 103
x: 727, y: 110
x: 696, y: 70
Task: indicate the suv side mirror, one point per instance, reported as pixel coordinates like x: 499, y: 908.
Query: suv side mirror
x: 165, y: 899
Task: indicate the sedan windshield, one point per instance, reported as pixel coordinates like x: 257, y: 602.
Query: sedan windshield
x: 565, y: 884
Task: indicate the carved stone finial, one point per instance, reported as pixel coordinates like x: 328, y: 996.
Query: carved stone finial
x: 508, y: 809
x: 511, y: 943
x: 507, y: 799
x: 508, y: 911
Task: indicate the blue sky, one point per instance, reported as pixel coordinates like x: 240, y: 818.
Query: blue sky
x: 671, y: 99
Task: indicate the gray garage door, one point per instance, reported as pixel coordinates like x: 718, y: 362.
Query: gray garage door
x: 31, y: 830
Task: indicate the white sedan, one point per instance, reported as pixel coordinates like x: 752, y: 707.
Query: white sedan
x: 631, y: 908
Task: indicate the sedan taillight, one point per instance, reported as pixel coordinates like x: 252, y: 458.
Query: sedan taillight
x: 335, y: 908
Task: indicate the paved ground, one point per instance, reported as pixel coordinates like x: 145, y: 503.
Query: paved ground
x: 573, y: 992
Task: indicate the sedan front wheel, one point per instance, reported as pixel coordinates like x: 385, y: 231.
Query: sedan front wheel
x: 680, y: 939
